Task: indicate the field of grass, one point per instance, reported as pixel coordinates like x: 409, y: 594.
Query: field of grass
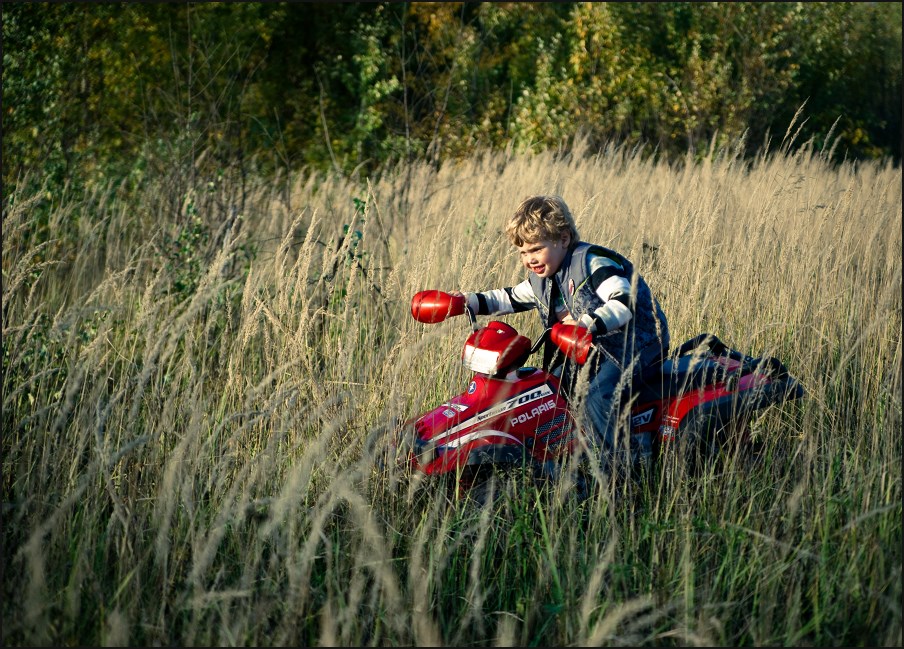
x: 198, y: 382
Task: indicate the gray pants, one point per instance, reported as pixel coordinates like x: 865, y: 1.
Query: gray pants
x: 619, y: 450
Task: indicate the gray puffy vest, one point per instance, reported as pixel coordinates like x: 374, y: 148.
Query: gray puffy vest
x: 645, y: 336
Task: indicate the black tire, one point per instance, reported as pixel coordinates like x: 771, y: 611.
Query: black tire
x: 700, y: 438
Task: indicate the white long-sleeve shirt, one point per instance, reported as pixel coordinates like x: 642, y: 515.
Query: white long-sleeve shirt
x: 608, y: 279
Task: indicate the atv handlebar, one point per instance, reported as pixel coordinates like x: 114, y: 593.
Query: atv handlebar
x: 434, y: 306
x: 573, y: 340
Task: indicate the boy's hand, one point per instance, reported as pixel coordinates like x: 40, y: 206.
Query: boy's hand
x: 571, y: 321
x: 470, y: 299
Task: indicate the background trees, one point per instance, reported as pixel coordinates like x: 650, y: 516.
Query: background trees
x: 106, y: 89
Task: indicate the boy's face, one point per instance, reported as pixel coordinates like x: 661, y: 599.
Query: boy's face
x: 544, y: 257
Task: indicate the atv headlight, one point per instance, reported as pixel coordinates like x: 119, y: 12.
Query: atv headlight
x: 479, y: 360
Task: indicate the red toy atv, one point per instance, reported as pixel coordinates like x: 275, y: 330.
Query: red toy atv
x: 512, y: 413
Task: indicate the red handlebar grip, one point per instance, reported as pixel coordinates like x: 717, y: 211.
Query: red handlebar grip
x: 573, y: 340
x: 435, y: 306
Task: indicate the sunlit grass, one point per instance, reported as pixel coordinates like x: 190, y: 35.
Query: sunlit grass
x: 197, y: 402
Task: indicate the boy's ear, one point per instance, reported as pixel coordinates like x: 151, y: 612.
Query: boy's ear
x: 566, y: 239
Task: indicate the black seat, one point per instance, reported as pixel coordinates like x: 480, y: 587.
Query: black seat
x: 677, y: 374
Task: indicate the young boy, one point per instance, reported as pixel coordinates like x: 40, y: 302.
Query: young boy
x: 579, y: 283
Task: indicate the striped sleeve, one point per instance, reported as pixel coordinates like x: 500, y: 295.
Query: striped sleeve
x: 501, y: 301
x: 613, y: 287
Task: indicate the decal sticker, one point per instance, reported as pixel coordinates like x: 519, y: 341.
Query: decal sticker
x: 472, y: 387
x: 449, y: 413
x: 460, y: 407
x: 527, y: 416
x: 529, y: 396
x: 642, y: 418
x: 518, y: 400
x: 480, y: 434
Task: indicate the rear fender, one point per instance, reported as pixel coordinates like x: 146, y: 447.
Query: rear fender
x: 720, y: 406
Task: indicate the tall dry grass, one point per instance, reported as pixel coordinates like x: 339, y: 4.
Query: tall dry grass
x: 196, y: 398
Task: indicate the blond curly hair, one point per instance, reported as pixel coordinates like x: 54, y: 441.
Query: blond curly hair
x: 541, y: 217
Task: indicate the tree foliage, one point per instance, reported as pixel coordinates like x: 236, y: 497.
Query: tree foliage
x: 94, y: 89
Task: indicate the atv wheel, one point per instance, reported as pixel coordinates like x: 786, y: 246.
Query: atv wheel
x: 699, y: 439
